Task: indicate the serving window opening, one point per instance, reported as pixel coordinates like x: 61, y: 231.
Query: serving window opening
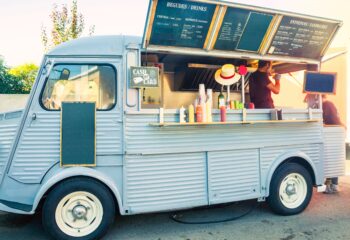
x: 181, y: 76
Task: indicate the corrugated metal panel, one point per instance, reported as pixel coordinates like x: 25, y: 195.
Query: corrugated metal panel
x: 163, y: 182
x: 141, y: 137
x: 39, y: 146
x: 233, y: 175
x: 334, y: 151
x: 7, y: 135
x: 268, y: 155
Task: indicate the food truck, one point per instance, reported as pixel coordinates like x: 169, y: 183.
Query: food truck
x: 109, y: 126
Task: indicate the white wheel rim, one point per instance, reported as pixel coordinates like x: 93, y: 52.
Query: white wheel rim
x: 78, y: 214
x: 293, y: 190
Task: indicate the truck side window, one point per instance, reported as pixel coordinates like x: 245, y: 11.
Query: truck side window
x: 80, y: 83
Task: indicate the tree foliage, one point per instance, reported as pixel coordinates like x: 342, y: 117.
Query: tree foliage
x: 8, y: 83
x: 66, y: 25
x: 18, y: 80
x: 26, y: 73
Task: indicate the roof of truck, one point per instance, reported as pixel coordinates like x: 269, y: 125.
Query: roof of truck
x: 95, y: 46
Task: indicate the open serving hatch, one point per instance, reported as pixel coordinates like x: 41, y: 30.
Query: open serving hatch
x: 225, y: 29
x: 191, y: 39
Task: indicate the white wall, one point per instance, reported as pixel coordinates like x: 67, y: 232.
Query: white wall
x: 10, y: 102
x: 348, y: 94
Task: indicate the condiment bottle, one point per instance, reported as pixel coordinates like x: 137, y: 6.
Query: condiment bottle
x: 191, y: 114
x: 182, y: 115
x: 232, y: 104
x: 223, y: 114
x: 195, y: 103
x: 209, y: 115
x: 210, y: 96
x: 236, y: 104
x: 161, y: 115
x: 199, y: 113
x: 209, y: 105
x: 221, y: 99
x: 204, y: 109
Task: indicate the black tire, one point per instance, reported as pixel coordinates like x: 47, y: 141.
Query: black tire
x: 73, y: 186
x: 274, y: 199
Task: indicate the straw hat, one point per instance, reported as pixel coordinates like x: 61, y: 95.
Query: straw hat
x: 226, y: 75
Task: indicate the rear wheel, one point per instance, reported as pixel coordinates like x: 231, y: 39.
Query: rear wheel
x: 78, y: 208
x: 290, y: 189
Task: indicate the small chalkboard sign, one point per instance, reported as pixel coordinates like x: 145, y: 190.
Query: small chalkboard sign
x: 243, y: 30
x: 144, y: 77
x: 300, y: 37
x: 78, y: 137
x: 316, y: 82
x: 181, y: 23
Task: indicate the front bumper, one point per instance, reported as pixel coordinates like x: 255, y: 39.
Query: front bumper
x: 5, y: 208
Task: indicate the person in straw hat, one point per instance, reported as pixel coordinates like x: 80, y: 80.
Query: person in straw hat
x: 260, y: 86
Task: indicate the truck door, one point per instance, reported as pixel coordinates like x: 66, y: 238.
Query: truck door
x: 73, y: 81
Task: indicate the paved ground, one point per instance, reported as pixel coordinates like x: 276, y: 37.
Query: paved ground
x: 327, y: 217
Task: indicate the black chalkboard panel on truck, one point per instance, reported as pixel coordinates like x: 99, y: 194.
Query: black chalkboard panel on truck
x: 306, y: 38
x: 242, y: 29
x: 181, y: 23
x: 78, y: 134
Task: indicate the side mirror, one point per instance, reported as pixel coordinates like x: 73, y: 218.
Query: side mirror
x: 64, y: 74
x: 47, y: 67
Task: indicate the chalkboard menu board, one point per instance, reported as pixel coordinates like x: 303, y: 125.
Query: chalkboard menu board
x: 243, y: 30
x: 320, y: 82
x: 181, y: 23
x: 300, y: 37
x: 78, y: 135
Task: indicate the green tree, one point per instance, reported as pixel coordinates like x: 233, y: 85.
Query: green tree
x: 9, y: 83
x: 66, y: 25
x: 17, y: 80
x: 26, y: 73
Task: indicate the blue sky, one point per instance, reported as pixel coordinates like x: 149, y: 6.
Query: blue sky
x: 21, y: 20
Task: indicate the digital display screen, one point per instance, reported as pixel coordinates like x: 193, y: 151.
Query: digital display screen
x: 315, y: 82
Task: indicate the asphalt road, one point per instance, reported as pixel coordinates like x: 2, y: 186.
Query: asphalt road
x: 327, y: 217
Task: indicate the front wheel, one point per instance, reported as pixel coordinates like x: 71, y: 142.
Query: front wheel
x: 78, y: 208
x: 290, y: 189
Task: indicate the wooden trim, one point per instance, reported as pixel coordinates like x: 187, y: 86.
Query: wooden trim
x: 213, y: 21
x: 270, y: 34
x: 326, y: 46
x: 218, y: 27
x: 150, y: 23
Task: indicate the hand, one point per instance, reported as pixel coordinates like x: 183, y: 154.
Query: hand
x: 277, y: 77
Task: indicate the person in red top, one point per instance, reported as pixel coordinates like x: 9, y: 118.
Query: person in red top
x: 330, y: 117
x: 260, y: 86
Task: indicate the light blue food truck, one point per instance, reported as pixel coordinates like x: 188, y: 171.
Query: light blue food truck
x: 131, y: 155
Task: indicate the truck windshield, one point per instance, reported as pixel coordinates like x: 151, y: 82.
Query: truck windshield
x: 80, y: 83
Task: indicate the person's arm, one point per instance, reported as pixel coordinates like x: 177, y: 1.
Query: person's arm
x: 275, y: 88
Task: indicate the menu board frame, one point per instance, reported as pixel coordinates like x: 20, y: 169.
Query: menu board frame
x: 246, y: 16
x: 152, y: 18
x: 214, y: 28
x: 304, y: 24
